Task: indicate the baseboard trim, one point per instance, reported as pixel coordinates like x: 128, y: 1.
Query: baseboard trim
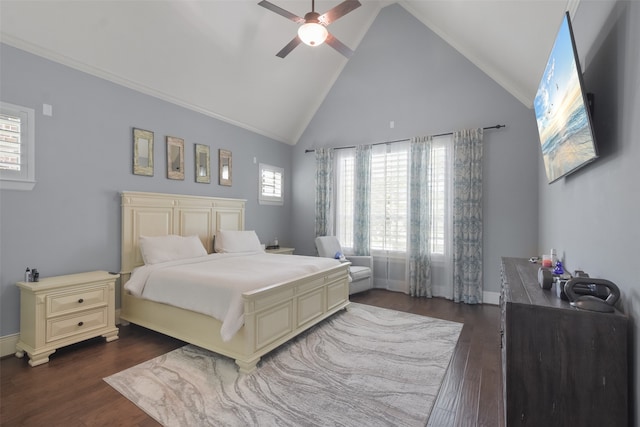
x: 492, y: 298
x: 8, y: 344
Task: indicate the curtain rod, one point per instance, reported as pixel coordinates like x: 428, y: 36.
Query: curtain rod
x: 405, y: 139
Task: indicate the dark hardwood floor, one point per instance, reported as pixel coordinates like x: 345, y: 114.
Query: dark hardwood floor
x: 471, y: 392
x: 69, y: 390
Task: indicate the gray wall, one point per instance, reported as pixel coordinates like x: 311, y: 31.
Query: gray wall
x: 70, y: 222
x: 404, y: 72
x: 591, y: 217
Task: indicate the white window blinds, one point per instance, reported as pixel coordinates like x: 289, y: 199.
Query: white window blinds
x: 271, y: 185
x: 345, y: 196
x: 440, y: 199
x: 10, y: 150
x: 17, y: 147
x: 389, y: 197
x: 389, y: 202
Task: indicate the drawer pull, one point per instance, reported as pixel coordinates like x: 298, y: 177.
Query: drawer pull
x: 80, y: 301
x: 80, y: 323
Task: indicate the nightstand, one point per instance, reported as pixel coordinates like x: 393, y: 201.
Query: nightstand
x: 62, y: 310
x: 281, y: 251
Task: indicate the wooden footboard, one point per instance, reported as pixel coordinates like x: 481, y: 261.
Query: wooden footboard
x: 273, y: 315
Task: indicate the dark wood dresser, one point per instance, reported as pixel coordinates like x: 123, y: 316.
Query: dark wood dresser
x: 561, y: 366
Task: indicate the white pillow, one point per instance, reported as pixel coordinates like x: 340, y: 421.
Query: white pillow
x: 234, y: 241
x: 170, y: 248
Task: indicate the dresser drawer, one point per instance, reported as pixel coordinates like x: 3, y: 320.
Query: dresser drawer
x: 70, y: 302
x: 66, y: 326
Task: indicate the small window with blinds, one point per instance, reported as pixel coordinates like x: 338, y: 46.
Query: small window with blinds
x: 271, y: 185
x: 17, y: 150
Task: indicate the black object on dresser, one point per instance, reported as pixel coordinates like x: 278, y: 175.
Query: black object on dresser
x: 561, y: 366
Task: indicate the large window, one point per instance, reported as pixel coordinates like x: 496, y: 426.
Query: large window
x: 439, y: 170
x: 389, y: 197
x: 345, y: 195
x: 17, y: 147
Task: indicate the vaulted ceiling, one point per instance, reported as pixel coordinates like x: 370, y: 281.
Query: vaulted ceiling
x: 217, y: 57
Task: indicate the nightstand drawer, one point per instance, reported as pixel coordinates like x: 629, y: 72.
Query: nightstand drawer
x: 73, y: 301
x: 66, y: 326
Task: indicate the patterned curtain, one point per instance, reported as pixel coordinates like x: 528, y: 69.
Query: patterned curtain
x: 467, y: 216
x: 324, y: 190
x: 419, y: 257
x: 361, y: 243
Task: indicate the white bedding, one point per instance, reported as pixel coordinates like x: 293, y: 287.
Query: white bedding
x: 214, y: 284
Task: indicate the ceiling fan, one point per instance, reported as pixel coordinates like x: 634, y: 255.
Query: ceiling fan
x: 313, y: 30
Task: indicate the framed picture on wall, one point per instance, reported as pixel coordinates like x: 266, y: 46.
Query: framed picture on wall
x: 203, y: 167
x: 224, y: 165
x: 142, y: 152
x: 175, y: 158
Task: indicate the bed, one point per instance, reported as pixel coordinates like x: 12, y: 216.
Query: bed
x: 272, y: 314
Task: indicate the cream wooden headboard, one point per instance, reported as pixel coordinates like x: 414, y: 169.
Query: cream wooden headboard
x: 157, y: 214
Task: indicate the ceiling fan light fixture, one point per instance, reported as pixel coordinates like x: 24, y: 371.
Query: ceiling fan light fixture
x: 312, y: 33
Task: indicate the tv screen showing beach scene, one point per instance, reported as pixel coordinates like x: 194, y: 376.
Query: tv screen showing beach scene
x: 564, y: 121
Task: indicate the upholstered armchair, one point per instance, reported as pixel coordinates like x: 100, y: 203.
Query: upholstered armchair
x: 361, y: 269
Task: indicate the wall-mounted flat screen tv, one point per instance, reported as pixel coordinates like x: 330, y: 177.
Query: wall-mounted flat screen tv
x: 561, y: 107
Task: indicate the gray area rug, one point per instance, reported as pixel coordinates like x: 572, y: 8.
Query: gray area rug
x: 365, y: 366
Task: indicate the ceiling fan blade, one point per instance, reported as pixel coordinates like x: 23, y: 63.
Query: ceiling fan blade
x: 338, y: 12
x: 280, y: 11
x: 289, y: 47
x: 338, y: 45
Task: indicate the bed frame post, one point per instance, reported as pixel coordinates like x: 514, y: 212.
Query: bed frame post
x: 246, y: 367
